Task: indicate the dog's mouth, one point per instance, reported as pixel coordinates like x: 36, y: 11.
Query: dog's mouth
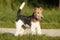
x: 39, y: 17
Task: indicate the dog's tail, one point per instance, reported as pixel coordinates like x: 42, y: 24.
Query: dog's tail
x: 20, y: 8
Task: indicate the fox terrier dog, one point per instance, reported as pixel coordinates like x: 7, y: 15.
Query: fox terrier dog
x: 29, y: 22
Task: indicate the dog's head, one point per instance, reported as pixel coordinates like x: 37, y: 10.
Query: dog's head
x: 38, y: 13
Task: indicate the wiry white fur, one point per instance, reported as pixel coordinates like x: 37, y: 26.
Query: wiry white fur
x: 22, y: 5
x: 35, y: 28
x: 19, y: 29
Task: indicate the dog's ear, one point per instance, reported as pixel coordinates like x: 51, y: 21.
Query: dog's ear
x: 41, y: 9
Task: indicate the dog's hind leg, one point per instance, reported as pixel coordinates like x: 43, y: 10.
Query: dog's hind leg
x: 19, y: 29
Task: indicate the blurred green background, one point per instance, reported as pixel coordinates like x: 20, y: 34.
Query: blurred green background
x: 51, y: 13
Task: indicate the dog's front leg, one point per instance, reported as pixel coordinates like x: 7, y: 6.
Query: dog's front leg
x: 38, y: 29
x: 33, y: 28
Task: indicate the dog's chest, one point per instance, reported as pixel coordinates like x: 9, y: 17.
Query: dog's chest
x: 35, y: 24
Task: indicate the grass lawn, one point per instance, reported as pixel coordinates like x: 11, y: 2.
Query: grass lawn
x: 27, y: 37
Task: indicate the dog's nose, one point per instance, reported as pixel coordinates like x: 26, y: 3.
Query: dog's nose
x: 42, y: 17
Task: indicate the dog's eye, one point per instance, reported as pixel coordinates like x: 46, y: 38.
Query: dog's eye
x: 38, y: 12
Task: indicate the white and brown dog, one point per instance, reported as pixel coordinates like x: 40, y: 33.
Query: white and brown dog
x: 28, y: 22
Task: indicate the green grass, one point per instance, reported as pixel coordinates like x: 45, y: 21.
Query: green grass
x: 8, y: 15
x: 6, y: 36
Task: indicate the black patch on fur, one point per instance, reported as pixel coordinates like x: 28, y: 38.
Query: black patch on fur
x: 25, y: 19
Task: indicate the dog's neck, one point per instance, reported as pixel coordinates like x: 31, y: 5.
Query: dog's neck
x: 34, y: 18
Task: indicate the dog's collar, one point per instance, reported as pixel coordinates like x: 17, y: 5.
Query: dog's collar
x: 34, y: 19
